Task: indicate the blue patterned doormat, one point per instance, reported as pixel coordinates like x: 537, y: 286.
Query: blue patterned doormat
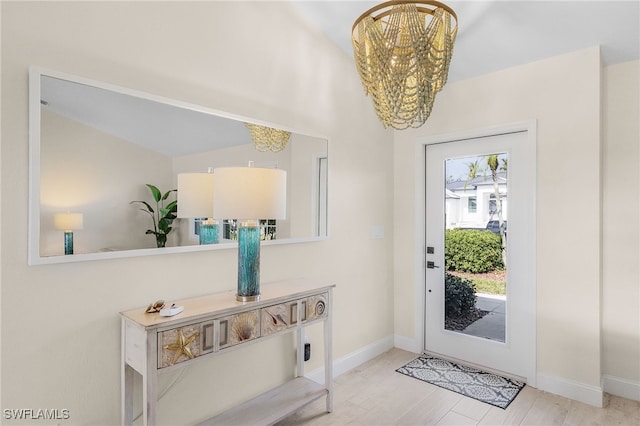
x: 486, y: 387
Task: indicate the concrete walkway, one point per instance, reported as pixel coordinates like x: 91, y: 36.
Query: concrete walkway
x: 492, y: 325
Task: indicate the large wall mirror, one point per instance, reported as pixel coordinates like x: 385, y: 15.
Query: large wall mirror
x: 95, y: 146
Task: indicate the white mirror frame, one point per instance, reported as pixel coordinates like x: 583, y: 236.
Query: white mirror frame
x: 34, y: 257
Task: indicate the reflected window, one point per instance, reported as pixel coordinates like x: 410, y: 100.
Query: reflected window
x: 268, y: 228
x: 472, y: 204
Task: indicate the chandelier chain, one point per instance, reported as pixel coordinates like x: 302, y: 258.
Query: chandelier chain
x: 403, y: 57
x: 267, y: 138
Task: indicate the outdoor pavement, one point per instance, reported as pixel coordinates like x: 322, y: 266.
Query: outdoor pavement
x: 492, y: 325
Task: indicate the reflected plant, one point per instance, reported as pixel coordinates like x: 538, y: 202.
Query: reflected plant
x: 162, y: 216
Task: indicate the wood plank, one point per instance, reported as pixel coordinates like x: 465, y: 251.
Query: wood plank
x: 273, y: 405
x: 225, y: 302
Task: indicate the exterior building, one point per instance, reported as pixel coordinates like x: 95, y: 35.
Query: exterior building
x: 472, y: 203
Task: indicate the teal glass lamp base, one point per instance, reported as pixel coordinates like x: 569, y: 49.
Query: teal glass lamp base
x: 209, y: 232
x: 68, y: 242
x: 248, y: 262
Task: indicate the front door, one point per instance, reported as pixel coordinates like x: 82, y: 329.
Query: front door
x: 480, y: 251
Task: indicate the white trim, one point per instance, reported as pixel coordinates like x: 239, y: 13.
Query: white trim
x: 420, y: 289
x: 33, y: 254
x: 227, y: 244
x: 529, y: 126
x: 621, y: 387
x: 354, y: 359
x: 588, y: 394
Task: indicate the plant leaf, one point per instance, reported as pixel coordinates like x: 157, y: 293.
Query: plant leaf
x: 166, y: 195
x: 149, y: 208
x: 155, y: 192
x: 172, y: 206
x: 163, y: 226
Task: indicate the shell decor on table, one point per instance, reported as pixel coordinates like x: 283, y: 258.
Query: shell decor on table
x: 185, y: 345
x: 276, y: 318
x: 244, y: 327
x: 317, y: 307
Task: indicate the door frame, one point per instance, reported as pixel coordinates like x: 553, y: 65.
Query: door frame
x: 420, y: 291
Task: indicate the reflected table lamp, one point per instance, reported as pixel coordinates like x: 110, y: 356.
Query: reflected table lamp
x: 249, y: 194
x: 68, y: 222
x: 195, y: 200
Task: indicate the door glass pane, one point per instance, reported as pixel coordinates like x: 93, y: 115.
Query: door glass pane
x: 476, y: 206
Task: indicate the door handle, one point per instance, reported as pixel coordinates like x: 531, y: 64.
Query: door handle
x: 431, y: 265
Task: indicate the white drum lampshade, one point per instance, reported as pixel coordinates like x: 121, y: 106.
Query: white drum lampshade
x: 68, y: 221
x: 247, y: 193
x: 195, y: 195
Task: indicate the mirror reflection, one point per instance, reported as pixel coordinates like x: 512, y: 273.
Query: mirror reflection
x: 102, y: 148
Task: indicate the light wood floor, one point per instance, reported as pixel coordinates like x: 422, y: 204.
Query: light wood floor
x: 374, y: 394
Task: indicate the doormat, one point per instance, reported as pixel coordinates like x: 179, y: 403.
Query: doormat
x: 486, y: 387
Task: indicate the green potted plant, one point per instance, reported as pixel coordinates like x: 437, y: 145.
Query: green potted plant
x: 162, y: 216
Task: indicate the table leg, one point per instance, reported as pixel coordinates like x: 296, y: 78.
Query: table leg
x: 328, y: 353
x: 127, y: 394
x: 150, y: 382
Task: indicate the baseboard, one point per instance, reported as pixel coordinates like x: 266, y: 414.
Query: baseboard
x: 354, y: 359
x: 407, y: 344
x: 581, y: 392
x: 621, y: 387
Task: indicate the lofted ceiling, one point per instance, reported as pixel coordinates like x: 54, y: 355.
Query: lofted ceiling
x: 494, y: 35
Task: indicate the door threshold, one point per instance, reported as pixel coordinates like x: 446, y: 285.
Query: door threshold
x: 477, y: 366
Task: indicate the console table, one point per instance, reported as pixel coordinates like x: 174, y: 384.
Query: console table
x: 217, y: 323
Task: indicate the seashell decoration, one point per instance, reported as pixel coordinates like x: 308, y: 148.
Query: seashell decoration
x: 276, y: 318
x: 179, y: 345
x: 320, y: 308
x: 317, y: 307
x: 244, y: 327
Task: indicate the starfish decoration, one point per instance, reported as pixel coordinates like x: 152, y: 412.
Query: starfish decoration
x: 181, y: 346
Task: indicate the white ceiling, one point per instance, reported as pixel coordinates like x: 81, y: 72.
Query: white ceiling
x: 168, y: 129
x: 494, y: 35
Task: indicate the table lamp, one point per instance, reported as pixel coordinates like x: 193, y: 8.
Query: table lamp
x: 68, y: 222
x: 195, y: 200
x: 249, y: 194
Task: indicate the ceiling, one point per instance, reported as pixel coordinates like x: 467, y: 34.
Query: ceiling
x: 166, y: 128
x: 494, y: 35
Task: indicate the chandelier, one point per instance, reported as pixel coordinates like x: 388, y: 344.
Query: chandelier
x: 402, y: 52
x: 268, y: 138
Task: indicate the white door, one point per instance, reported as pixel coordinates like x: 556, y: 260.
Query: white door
x: 503, y: 339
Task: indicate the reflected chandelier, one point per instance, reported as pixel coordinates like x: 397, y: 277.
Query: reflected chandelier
x: 268, y: 138
x: 402, y: 52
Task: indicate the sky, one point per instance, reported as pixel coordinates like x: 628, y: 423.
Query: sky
x: 458, y: 169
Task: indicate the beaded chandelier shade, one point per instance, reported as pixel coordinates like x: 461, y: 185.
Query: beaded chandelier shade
x: 268, y: 138
x: 402, y: 52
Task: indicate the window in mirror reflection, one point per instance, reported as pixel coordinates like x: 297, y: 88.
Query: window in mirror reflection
x: 268, y: 229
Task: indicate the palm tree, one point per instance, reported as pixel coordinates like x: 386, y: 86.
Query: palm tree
x: 493, y: 163
x: 474, y: 168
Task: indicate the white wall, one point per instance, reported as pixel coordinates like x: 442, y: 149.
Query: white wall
x: 255, y: 59
x: 621, y: 220
x: 563, y: 95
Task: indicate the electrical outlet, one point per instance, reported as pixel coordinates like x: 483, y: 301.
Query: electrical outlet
x: 307, y: 351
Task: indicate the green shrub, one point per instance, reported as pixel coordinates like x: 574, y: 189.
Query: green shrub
x: 459, y: 296
x: 471, y: 250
